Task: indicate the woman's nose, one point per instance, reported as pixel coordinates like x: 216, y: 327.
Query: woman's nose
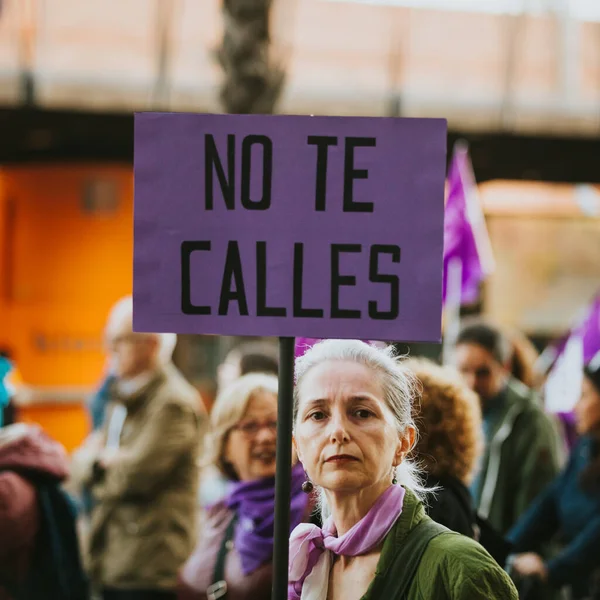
x: 338, y: 429
x: 266, y: 434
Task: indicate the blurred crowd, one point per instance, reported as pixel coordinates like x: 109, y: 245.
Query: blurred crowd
x: 164, y: 500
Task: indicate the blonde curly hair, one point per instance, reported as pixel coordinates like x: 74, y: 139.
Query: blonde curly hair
x: 448, y: 418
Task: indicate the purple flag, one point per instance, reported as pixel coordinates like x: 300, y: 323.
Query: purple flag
x: 465, y: 235
x: 568, y: 355
x: 588, y: 329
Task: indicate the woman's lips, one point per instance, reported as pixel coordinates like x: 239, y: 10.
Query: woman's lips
x: 264, y: 456
x: 341, y: 458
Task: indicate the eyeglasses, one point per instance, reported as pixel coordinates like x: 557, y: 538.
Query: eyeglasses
x: 123, y: 339
x: 483, y: 372
x: 118, y: 340
x: 251, y: 428
x: 479, y: 373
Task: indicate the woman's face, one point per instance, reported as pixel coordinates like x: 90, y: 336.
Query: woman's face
x: 250, y: 445
x: 345, y: 434
x: 587, y: 410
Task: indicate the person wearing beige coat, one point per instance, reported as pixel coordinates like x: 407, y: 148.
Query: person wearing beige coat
x: 142, y: 471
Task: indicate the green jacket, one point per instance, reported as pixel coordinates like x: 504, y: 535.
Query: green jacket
x: 453, y: 567
x: 523, y: 455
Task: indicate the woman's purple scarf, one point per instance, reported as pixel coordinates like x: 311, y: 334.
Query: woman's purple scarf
x: 254, y: 504
x: 308, y: 542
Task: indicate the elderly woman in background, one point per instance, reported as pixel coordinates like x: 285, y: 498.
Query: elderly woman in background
x: 235, y: 549
x: 353, y: 431
x: 246, y: 358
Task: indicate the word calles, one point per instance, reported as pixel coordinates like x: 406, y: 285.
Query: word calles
x: 233, y: 283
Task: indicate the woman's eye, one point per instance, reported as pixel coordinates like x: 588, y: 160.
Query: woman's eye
x: 362, y: 413
x: 318, y: 415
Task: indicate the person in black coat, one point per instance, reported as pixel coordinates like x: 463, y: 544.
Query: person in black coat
x: 448, y: 448
x: 569, y: 510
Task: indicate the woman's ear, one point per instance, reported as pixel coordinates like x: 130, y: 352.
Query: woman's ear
x: 406, y: 442
x: 295, y: 450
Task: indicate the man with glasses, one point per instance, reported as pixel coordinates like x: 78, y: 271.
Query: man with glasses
x: 523, y: 449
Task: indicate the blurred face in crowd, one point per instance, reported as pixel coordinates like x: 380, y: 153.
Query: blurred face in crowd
x: 250, y: 445
x: 480, y: 371
x: 587, y: 410
x: 345, y: 433
x: 131, y: 353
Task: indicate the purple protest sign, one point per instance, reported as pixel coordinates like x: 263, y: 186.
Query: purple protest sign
x: 289, y: 226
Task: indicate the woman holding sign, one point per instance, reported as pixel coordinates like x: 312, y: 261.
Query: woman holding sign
x: 353, y: 430
x: 233, y: 558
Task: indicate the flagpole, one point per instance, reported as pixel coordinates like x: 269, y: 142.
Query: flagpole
x: 452, y: 308
x: 283, y: 469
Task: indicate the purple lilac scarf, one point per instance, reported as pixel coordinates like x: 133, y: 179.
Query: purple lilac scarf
x: 254, y: 504
x: 308, y: 542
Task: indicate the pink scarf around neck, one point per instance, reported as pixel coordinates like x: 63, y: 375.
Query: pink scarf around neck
x: 308, y: 543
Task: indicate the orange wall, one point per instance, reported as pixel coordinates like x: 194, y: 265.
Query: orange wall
x: 4, y: 272
x: 67, y: 268
x: 67, y: 423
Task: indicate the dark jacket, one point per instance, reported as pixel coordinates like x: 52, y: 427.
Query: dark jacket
x: 523, y: 455
x: 31, y: 464
x: 9, y: 414
x: 568, y: 512
x: 452, y: 506
x: 453, y: 566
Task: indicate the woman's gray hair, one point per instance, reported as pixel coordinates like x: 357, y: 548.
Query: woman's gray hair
x: 400, y: 389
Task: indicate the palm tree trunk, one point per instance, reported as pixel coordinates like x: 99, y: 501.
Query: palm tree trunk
x: 253, y: 80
